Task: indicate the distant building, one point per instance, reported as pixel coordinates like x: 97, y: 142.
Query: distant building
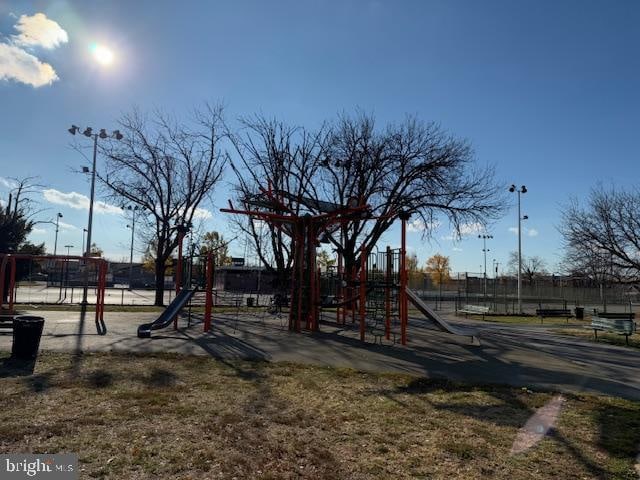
x: 243, y: 279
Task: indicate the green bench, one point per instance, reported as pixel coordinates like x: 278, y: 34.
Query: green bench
x: 6, y: 324
x: 553, y: 312
x: 474, y: 310
x: 620, y: 323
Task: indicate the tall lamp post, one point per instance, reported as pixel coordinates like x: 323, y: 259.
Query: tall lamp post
x: 519, y: 191
x: 55, y: 242
x: 88, y: 132
x: 484, y: 251
x: 84, y: 231
x: 132, y: 226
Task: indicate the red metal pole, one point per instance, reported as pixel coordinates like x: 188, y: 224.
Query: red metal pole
x: 300, y: 288
x: 208, y: 293
x: 363, y: 291
x: 99, y: 287
x: 179, y: 266
x: 178, y: 273
x: 12, y: 282
x: 318, y: 283
x: 339, y: 296
x: 352, y: 294
x: 311, y: 260
x: 404, y: 317
x: 387, y: 294
x: 105, y: 267
x: 3, y: 270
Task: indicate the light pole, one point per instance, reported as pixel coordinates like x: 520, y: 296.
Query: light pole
x: 55, y: 242
x: 484, y: 251
x: 84, y: 230
x: 88, y: 132
x: 519, y: 191
x: 133, y: 210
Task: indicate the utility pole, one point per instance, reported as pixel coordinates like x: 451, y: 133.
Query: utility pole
x: 88, y: 132
x: 55, y: 243
x: 519, y: 191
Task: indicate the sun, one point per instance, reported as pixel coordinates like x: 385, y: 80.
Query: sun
x: 101, y: 54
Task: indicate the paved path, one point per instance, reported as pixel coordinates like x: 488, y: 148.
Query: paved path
x: 518, y: 355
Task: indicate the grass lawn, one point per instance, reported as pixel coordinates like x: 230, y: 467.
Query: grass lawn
x: 603, y: 337
x: 167, y: 416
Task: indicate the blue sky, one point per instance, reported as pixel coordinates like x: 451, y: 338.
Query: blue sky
x: 546, y: 91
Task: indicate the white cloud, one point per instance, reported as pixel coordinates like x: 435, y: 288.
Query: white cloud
x: 530, y: 232
x: 456, y: 249
x: 466, y: 229
x: 38, y: 231
x: 202, y: 214
x: 471, y: 228
x: 18, y: 64
x: 78, y: 201
x: 418, y: 225
x: 67, y: 226
x: 7, y: 183
x: 39, y: 31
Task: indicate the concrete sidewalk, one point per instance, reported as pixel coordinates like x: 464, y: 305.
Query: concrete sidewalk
x: 516, y: 356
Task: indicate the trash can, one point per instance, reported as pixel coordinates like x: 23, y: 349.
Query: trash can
x: 250, y: 301
x: 27, y: 330
x: 579, y: 313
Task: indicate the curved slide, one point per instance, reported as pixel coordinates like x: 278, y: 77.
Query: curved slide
x: 165, y: 319
x: 440, y: 322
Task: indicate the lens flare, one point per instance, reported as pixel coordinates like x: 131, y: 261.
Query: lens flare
x: 101, y: 54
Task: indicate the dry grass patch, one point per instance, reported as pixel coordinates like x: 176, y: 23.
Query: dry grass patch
x: 166, y: 416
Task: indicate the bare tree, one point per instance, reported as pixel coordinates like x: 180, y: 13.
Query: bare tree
x: 270, y: 154
x: 169, y: 170
x: 603, y: 236
x: 413, y: 168
x: 532, y: 267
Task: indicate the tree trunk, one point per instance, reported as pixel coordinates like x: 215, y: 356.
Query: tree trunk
x: 160, y: 270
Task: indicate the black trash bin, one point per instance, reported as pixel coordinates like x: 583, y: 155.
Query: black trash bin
x: 250, y: 302
x: 579, y: 313
x: 27, y: 330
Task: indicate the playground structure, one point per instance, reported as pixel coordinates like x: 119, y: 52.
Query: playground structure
x: 193, y: 274
x: 93, y: 271
x: 375, y: 293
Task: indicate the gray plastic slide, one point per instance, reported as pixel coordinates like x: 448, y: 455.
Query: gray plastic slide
x: 440, y: 322
x: 165, y: 319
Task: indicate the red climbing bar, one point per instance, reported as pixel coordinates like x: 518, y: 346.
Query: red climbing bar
x: 363, y: 291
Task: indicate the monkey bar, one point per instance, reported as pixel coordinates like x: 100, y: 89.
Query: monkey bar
x: 8, y: 269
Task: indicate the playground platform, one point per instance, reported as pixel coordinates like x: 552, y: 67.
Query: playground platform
x: 530, y: 357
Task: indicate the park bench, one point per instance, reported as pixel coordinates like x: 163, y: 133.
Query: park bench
x: 620, y: 323
x: 474, y: 310
x: 6, y: 323
x: 553, y: 312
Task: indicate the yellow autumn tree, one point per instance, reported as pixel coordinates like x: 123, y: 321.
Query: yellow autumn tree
x: 438, y: 269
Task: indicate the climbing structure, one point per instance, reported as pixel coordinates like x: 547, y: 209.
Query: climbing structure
x: 305, y: 229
